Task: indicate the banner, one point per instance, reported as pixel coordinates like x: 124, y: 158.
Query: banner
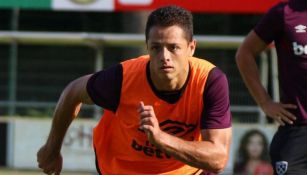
x: 25, y: 4
x: 83, y: 5
x: 28, y: 135
x: 204, y: 6
x: 208, y: 6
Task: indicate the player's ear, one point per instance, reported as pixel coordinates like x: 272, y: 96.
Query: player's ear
x: 146, y: 45
x: 192, y: 47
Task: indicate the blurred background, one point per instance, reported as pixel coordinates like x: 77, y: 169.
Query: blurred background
x: 45, y: 44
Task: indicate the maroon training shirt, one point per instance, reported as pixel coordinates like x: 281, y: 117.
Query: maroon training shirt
x: 286, y: 25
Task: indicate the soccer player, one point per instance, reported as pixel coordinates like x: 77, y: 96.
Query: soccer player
x: 285, y: 24
x: 165, y: 113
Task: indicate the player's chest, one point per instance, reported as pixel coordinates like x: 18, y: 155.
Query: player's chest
x: 295, y: 26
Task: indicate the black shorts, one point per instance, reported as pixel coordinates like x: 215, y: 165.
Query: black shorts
x: 288, y: 150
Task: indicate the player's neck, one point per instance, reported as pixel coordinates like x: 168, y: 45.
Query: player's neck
x: 168, y: 85
x: 173, y: 84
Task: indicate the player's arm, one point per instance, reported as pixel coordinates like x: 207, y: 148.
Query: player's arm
x: 49, y: 157
x: 211, y: 154
x: 246, y: 55
x: 102, y: 88
x: 67, y: 109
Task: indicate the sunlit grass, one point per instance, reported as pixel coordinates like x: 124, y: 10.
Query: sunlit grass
x: 28, y: 172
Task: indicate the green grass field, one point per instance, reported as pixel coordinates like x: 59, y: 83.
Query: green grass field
x: 27, y: 172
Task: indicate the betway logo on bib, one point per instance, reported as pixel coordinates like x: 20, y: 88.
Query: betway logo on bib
x: 299, y: 49
x: 175, y: 128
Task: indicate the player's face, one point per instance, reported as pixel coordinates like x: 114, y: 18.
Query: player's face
x: 169, y: 51
x: 255, y: 146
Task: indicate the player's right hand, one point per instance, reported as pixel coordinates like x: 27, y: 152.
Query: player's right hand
x: 48, y: 161
x: 279, y: 112
x: 149, y: 122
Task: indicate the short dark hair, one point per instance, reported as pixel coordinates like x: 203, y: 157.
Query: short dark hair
x: 169, y: 16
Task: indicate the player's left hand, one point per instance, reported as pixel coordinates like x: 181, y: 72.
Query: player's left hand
x: 149, y: 122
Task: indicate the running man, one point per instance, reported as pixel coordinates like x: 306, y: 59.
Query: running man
x: 165, y: 113
x: 286, y: 25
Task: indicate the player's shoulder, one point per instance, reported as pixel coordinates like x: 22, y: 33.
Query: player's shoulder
x: 278, y: 8
x: 133, y: 64
x: 194, y: 61
x: 200, y: 67
x: 142, y: 58
x: 216, y: 74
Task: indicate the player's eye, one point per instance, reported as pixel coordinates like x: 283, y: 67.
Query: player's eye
x: 174, y: 47
x: 155, y: 48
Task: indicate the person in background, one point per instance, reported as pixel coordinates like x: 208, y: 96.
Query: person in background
x: 252, y: 157
x: 285, y: 24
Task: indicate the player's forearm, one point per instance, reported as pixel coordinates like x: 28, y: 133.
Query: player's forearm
x: 66, y: 110
x: 246, y: 55
x: 250, y: 74
x: 203, y: 154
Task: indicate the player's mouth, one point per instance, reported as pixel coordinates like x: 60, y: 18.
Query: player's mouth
x: 167, y: 68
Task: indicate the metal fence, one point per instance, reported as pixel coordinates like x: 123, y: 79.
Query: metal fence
x: 33, y: 76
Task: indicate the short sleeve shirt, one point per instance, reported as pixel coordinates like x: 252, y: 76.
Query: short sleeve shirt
x: 286, y: 25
